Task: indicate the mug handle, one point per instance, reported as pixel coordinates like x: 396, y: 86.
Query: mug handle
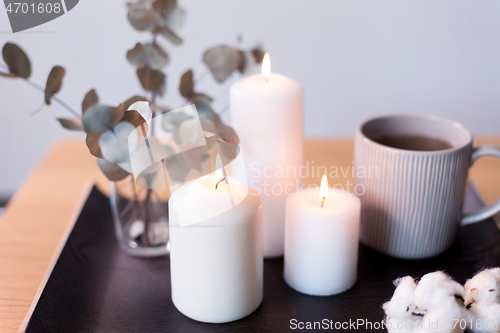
x: 487, y: 211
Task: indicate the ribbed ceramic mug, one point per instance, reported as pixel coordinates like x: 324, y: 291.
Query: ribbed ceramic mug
x: 412, y: 200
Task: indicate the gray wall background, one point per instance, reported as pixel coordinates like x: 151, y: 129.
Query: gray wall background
x: 356, y: 59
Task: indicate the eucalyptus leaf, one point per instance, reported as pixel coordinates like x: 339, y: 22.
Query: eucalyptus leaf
x: 17, y: 60
x: 90, y: 100
x: 135, y: 119
x: 54, y: 82
x: 101, y: 118
x: 228, y: 134
x: 247, y: 62
x: 203, y: 107
x: 147, y: 56
x: 222, y: 60
x: 136, y: 56
x: 158, y: 57
x: 186, y: 87
x: 165, y: 7
x: 258, y: 54
x: 169, y: 34
x: 115, y: 143
x: 111, y: 170
x: 175, y: 20
x: 73, y: 124
x: 152, y: 80
x: 92, y: 142
x: 144, y: 19
x: 132, y: 100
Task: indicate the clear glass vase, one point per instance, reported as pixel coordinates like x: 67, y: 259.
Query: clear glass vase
x: 140, y: 218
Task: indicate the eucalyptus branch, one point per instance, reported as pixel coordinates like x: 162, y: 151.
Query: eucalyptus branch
x: 53, y: 97
x: 149, y: 59
x: 41, y: 89
x: 148, y: 202
x: 66, y: 106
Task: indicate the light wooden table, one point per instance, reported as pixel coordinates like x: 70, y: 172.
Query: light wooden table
x: 40, y: 216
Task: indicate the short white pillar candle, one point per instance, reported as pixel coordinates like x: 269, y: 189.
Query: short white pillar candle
x: 321, y: 240
x: 216, y: 259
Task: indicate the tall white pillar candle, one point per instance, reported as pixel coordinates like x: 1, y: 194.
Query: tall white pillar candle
x: 216, y: 257
x: 321, y: 243
x: 267, y: 113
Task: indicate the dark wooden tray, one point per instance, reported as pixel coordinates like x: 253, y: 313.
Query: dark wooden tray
x: 95, y: 287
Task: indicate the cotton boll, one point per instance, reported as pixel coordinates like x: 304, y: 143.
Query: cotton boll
x: 442, y: 298
x: 402, y: 303
x: 483, y: 298
x: 446, y: 318
x: 401, y: 308
x: 436, y: 289
x: 484, y: 286
x: 486, y: 317
x: 495, y: 271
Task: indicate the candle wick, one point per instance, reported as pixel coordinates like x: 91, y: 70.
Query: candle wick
x: 220, y: 181
x: 323, y: 201
x: 265, y: 79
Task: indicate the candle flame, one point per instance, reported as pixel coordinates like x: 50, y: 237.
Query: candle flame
x: 323, y: 190
x: 218, y: 177
x: 266, y: 66
x: 219, y: 172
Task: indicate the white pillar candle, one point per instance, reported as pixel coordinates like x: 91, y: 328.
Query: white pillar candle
x: 321, y: 243
x: 216, y: 257
x: 267, y: 113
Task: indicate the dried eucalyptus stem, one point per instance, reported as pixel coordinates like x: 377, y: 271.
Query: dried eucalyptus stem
x: 41, y: 89
x: 148, y: 200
